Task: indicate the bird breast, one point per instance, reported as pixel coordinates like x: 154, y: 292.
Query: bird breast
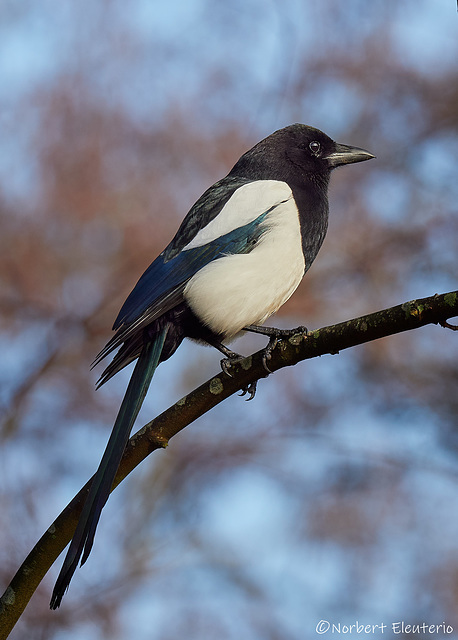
x: 241, y: 289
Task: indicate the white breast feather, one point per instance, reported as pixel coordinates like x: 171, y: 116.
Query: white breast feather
x: 237, y: 290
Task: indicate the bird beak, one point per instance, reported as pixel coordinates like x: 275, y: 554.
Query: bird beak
x: 344, y: 154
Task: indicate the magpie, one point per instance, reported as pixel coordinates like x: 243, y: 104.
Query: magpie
x: 237, y: 257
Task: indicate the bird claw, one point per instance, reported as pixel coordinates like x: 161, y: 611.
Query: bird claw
x: 251, y: 389
x: 226, y: 363
x: 287, y: 333
x: 275, y: 336
x: 267, y: 353
x: 274, y: 340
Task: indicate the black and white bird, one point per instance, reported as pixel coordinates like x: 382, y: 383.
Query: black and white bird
x: 237, y: 257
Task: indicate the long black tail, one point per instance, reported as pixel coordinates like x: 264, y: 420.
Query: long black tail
x: 99, y: 491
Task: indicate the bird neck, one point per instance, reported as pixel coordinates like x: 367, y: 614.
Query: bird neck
x: 312, y: 203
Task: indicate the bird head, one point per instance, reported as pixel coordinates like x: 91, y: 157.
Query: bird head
x: 295, y: 151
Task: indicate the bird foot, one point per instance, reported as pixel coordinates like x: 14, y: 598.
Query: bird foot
x: 250, y: 389
x: 227, y: 363
x: 267, y: 352
x: 276, y: 335
x: 287, y: 333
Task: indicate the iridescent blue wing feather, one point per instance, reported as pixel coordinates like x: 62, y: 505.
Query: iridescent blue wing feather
x: 161, y: 286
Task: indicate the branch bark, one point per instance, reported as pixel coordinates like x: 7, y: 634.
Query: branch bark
x: 156, y: 434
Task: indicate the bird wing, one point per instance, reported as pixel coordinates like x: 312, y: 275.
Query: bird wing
x: 227, y: 219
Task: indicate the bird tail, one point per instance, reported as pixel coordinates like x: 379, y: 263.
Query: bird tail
x: 100, y: 488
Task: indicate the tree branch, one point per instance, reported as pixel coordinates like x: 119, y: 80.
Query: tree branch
x: 156, y: 434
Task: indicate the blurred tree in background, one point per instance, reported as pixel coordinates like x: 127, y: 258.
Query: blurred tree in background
x: 334, y: 495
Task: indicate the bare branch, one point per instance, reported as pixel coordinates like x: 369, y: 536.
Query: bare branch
x: 156, y: 434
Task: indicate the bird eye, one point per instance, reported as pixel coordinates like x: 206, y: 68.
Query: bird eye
x: 315, y: 147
